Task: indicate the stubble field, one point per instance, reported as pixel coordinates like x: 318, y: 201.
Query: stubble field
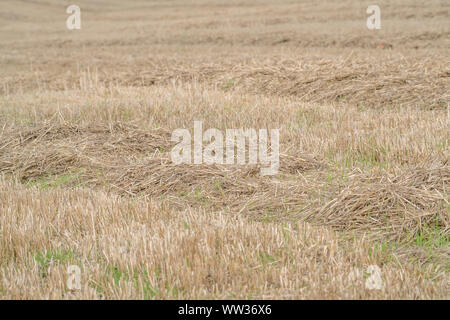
x: 86, y: 177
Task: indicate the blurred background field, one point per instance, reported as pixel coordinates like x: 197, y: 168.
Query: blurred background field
x: 85, y: 123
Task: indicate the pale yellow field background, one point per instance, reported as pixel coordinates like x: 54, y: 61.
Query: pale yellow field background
x: 86, y: 178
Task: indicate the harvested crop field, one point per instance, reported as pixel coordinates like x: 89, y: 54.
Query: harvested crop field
x: 87, y: 178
